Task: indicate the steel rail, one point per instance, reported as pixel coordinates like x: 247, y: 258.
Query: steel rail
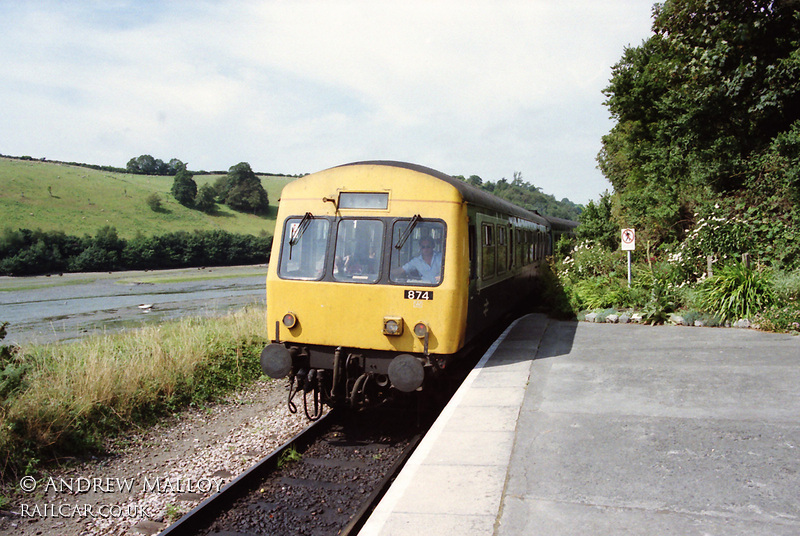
x: 202, y: 515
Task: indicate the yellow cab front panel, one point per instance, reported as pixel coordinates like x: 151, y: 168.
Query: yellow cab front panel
x: 342, y: 269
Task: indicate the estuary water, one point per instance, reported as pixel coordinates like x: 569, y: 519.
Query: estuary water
x: 67, y: 307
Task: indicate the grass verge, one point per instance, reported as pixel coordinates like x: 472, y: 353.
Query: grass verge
x: 65, y: 399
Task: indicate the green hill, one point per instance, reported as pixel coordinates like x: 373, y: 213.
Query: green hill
x: 79, y: 200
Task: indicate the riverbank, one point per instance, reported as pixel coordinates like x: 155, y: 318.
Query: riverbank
x: 44, y: 309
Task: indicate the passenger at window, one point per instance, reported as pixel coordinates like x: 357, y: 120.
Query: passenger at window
x: 427, y: 265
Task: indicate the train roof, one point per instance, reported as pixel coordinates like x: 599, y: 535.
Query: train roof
x: 560, y: 224
x: 469, y: 192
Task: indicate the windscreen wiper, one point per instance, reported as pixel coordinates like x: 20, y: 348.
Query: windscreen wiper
x: 400, y: 243
x: 301, y: 228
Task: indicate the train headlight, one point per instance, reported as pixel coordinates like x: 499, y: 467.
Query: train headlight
x: 392, y: 325
x: 421, y: 329
x: 289, y: 320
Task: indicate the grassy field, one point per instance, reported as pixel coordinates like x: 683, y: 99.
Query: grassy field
x: 78, y: 201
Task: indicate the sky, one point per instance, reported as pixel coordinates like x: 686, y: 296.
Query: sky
x: 484, y: 87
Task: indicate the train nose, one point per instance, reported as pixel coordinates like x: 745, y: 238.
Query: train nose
x: 276, y: 361
x: 406, y: 373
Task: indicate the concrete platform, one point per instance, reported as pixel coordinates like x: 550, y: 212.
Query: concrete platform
x: 579, y: 428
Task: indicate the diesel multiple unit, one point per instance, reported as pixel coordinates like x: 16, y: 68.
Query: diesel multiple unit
x: 381, y: 272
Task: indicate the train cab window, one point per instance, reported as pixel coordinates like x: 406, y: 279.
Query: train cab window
x: 303, y: 248
x: 359, y: 243
x: 419, y: 258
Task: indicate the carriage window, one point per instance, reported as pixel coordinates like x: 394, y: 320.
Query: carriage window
x: 419, y: 261
x: 502, y: 250
x: 487, y: 251
x: 303, y: 248
x: 359, y: 244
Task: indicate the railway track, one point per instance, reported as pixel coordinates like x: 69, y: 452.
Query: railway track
x: 328, y: 478
x: 325, y: 480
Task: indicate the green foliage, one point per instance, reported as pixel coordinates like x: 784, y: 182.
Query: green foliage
x: 555, y: 292
x: 206, y: 199
x: 72, y: 397
x: 661, y: 302
x: 184, y: 189
x: 718, y: 232
x: 588, y: 260
x: 786, y: 285
x: 736, y: 292
x: 154, y: 202
x: 597, y: 224
x: 242, y: 190
x: 25, y: 252
x: 147, y: 165
x: 697, y: 105
x: 785, y: 319
x: 289, y: 455
x: 598, y: 292
x: 117, y: 199
x: 526, y: 195
x: 12, y: 369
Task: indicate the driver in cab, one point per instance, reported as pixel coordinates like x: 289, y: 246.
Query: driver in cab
x: 427, y: 265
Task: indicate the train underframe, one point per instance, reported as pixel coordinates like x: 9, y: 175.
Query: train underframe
x: 348, y: 377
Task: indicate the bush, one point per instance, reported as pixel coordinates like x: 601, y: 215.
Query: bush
x: 786, y: 285
x: 784, y: 319
x: 154, y: 202
x: 736, y: 292
x: 27, y: 252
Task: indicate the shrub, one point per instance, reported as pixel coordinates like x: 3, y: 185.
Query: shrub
x: 736, y: 292
x: 589, y: 259
x: 780, y: 319
x: 786, y: 285
x: 154, y: 202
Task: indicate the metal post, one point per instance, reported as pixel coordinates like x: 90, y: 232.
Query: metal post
x: 629, y: 269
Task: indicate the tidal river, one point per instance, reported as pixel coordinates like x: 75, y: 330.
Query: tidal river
x: 67, y: 307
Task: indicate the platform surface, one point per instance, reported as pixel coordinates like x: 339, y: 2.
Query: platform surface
x: 581, y: 428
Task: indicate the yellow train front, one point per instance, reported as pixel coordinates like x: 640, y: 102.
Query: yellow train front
x: 381, y: 272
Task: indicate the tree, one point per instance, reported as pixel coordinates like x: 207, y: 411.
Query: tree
x: 696, y: 103
x: 147, y: 165
x: 242, y: 190
x: 184, y: 188
x: 597, y: 223
x: 205, y: 199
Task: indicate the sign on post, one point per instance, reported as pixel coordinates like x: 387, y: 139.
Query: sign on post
x: 628, y: 239
x: 629, y: 244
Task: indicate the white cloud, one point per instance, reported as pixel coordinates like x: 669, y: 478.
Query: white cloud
x: 474, y: 87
